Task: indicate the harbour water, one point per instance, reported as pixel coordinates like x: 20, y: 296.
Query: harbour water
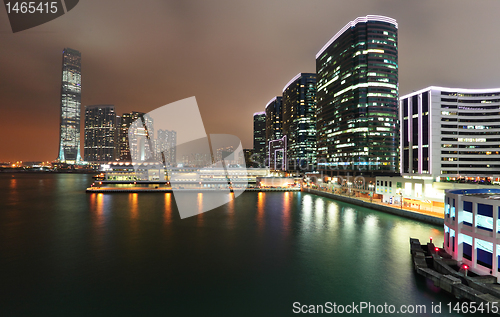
x: 64, y: 252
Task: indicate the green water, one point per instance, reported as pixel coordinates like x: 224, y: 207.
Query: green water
x: 67, y: 253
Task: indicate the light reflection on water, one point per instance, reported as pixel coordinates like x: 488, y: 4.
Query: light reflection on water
x: 125, y: 250
x: 168, y: 208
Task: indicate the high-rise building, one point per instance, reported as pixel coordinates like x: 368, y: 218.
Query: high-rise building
x: 357, y: 99
x: 259, y: 136
x: 299, y: 121
x: 123, y: 145
x: 450, y: 133
x: 140, y: 138
x: 71, y: 87
x: 248, y: 157
x: 118, y: 120
x: 166, y: 144
x: 274, y: 121
x: 100, y: 129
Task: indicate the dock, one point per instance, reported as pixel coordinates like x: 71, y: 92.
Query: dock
x: 138, y: 189
x: 435, y: 264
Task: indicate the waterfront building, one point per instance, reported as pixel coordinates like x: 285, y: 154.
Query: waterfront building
x: 187, y: 176
x: 71, y: 87
x: 123, y: 142
x: 259, y: 136
x: 140, y: 138
x: 100, y: 129
x: 277, y: 154
x: 299, y: 121
x: 451, y: 134
x: 248, y: 153
x: 357, y: 99
x: 472, y: 229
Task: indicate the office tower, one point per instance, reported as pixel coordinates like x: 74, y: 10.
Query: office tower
x: 123, y: 142
x: 357, y: 99
x: 248, y: 157
x: 116, y: 153
x: 273, y: 121
x: 277, y: 154
x: 259, y: 136
x: 450, y: 133
x: 299, y: 121
x: 166, y: 144
x: 100, y: 128
x: 140, y: 139
x: 71, y: 87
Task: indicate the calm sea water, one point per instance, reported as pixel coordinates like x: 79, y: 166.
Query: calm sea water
x: 64, y: 252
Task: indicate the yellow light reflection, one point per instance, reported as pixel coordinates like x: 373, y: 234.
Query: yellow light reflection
x: 287, y: 211
x: 168, y: 208
x: 200, y: 210
x: 231, y: 211
x: 134, y: 205
x: 261, y: 198
x: 13, y: 183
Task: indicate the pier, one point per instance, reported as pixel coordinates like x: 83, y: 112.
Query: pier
x: 436, y: 265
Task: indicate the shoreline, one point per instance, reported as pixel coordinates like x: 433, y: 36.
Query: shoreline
x: 387, y: 209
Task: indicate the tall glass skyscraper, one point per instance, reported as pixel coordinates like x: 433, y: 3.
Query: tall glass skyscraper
x: 273, y: 121
x: 71, y: 87
x: 357, y: 98
x: 100, y: 129
x: 166, y: 144
x: 299, y: 121
x: 259, y: 135
x: 123, y: 140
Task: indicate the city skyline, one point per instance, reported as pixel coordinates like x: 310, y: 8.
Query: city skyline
x: 141, y: 74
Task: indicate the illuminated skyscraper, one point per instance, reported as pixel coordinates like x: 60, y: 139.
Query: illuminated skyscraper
x: 299, y: 121
x: 274, y: 114
x: 71, y: 86
x: 166, y: 144
x: 357, y: 98
x: 123, y: 145
x: 100, y: 129
x: 259, y: 135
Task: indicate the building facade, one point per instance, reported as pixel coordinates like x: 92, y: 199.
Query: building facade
x: 274, y: 113
x: 277, y: 154
x: 472, y: 229
x: 71, y: 89
x: 299, y: 121
x: 357, y: 99
x: 259, y: 137
x: 166, y: 146
x: 100, y: 129
x: 451, y: 133
x: 126, y: 121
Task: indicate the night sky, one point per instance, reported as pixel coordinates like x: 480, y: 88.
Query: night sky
x: 234, y: 56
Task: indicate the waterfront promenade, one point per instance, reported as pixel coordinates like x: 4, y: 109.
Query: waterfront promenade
x: 429, y: 216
